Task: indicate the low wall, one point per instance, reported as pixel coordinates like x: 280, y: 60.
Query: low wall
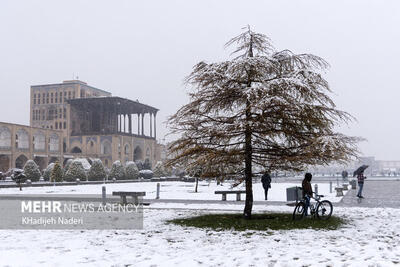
x: 41, y: 184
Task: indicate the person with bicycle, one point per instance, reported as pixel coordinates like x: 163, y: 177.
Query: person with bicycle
x: 322, y: 209
x: 307, y: 190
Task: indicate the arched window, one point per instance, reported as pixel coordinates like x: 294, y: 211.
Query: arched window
x: 39, y: 141
x: 106, y: 147
x: 54, y: 143
x: 20, y: 161
x: 127, y: 149
x: 22, y: 139
x: 137, y: 154
x: 5, y: 137
x: 76, y: 150
x: 91, y: 148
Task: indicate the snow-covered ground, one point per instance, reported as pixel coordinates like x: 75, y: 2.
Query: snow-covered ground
x: 174, y: 190
x: 372, y: 238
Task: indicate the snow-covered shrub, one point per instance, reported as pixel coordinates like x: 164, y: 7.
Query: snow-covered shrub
x: 146, y: 174
x: 132, y: 171
x: 67, y: 164
x: 139, y: 164
x: 159, y: 170
x: 85, y: 163
x: 117, y: 171
x: 75, y: 171
x: 56, y: 174
x: 97, y: 171
x: 31, y: 171
x: 147, y: 164
x: 47, y: 172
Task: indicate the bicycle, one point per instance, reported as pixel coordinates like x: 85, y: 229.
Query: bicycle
x: 321, y: 209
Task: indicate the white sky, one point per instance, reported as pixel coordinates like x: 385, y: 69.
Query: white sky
x: 144, y: 49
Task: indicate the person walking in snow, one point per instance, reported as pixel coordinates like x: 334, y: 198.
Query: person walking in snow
x: 266, y: 183
x: 360, y: 179
x: 307, y: 190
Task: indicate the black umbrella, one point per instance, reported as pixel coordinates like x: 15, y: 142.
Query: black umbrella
x: 359, y: 170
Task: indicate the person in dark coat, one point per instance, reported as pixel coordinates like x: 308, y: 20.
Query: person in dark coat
x: 19, y: 177
x: 307, y: 189
x: 360, y: 178
x: 266, y: 183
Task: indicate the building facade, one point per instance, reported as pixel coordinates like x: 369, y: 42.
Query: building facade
x: 72, y: 119
x: 18, y: 143
x: 49, y: 102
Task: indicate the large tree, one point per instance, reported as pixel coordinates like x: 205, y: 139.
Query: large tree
x: 264, y: 108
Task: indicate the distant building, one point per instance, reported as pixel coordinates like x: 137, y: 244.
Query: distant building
x: 72, y: 119
x: 49, y: 102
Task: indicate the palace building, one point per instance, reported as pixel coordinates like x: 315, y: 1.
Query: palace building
x: 72, y: 119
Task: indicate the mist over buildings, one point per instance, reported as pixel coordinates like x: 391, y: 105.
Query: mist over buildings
x: 144, y: 50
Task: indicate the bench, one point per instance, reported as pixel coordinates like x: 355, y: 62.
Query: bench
x: 134, y: 195
x: 345, y: 186
x: 339, y: 191
x: 224, y: 193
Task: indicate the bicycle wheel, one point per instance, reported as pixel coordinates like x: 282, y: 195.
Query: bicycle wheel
x: 324, y: 210
x: 299, y: 211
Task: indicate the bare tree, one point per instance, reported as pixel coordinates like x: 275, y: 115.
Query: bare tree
x: 264, y: 108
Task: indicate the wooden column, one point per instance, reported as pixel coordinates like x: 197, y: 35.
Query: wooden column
x: 130, y: 123
x: 124, y: 123
x: 138, y: 124
x: 151, y: 126
x: 118, y: 123
x: 155, y: 128
x: 142, y: 123
x: 115, y: 122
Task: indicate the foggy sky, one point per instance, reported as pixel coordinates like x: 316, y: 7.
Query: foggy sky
x: 144, y: 49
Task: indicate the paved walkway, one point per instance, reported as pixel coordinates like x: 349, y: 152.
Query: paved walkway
x: 377, y: 194
x: 197, y: 201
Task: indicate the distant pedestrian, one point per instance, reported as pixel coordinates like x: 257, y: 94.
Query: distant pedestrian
x: 360, y: 179
x: 307, y: 190
x: 345, y: 174
x: 19, y: 177
x: 266, y: 183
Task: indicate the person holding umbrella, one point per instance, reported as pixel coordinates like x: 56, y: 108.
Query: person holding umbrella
x: 360, y: 178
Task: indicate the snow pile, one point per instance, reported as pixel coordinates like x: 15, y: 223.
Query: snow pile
x: 370, y: 239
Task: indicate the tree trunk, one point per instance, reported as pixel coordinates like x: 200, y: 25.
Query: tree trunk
x: 248, y: 172
x: 248, y: 151
x: 197, y: 184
